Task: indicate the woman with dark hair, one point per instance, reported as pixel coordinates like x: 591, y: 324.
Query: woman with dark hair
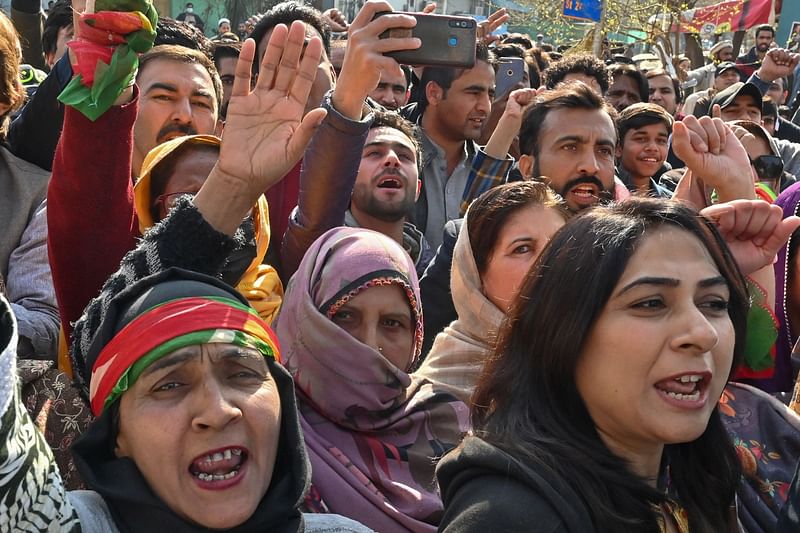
x: 598, y: 408
x: 504, y: 232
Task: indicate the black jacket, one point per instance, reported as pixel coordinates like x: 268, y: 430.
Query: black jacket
x: 485, y: 489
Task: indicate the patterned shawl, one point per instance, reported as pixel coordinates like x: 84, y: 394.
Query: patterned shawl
x: 458, y: 353
x: 373, y: 431
x: 789, y: 201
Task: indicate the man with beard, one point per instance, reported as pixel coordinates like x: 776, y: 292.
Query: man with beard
x: 751, y: 61
x: 362, y: 166
x: 568, y: 139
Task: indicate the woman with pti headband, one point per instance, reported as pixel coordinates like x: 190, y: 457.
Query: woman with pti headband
x: 196, y: 423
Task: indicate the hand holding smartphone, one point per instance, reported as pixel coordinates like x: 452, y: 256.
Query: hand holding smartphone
x: 510, y: 74
x: 447, y: 41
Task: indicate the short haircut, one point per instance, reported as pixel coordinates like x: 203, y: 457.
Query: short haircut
x: 408, y: 74
x: 221, y: 49
x: 577, y: 64
x: 764, y: 27
x: 445, y: 76
x: 488, y: 214
x: 633, y: 73
x: 639, y: 115
x: 59, y: 16
x: 181, y: 54
x: 571, y: 95
x: 392, y: 119
x: 768, y: 108
x: 520, y: 39
x: 676, y: 84
x: 171, y: 31
x: 288, y: 12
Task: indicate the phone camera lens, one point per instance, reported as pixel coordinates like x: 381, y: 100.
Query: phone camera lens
x: 509, y: 72
x: 452, y: 41
x: 463, y: 23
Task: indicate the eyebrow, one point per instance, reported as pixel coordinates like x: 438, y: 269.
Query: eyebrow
x: 582, y: 140
x: 392, y: 145
x: 170, y: 360
x: 671, y: 282
x: 161, y: 86
x: 174, y: 359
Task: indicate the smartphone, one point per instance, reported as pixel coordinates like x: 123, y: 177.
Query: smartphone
x: 447, y: 41
x: 510, y: 73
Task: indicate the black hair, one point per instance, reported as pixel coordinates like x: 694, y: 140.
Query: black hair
x: 639, y: 115
x: 445, y: 76
x: 392, y: 119
x: 635, y: 74
x: 577, y: 64
x: 171, y: 31
x: 288, y: 12
x: 528, y: 405
x: 59, y: 16
x: 676, y: 84
x: 764, y: 27
x: 490, y: 211
x: 570, y: 95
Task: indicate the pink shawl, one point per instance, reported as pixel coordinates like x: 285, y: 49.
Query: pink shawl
x: 373, y: 431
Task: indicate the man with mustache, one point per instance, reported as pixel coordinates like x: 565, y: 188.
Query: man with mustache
x: 568, y: 139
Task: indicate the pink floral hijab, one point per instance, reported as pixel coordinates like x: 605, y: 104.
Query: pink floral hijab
x: 373, y: 431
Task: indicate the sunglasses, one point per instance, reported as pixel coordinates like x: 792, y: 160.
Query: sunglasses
x: 768, y: 167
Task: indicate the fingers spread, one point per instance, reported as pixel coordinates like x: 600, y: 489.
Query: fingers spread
x: 272, y: 57
x: 293, y: 49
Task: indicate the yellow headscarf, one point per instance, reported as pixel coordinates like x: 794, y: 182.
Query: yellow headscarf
x: 260, y: 283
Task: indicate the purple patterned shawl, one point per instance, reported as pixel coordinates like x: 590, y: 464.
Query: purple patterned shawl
x: 789, y: 201
x: 373, y: 431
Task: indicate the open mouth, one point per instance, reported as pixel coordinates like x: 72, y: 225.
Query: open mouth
x: 219, y: 468
x: 477, y: 122
x: 585, y: 190
x: 685, y: 390
x: 390, y: 182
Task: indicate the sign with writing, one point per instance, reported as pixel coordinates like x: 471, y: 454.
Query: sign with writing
x: 583, y: 9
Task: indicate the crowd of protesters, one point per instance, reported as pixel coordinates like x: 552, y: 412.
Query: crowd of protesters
x: 274, y: 280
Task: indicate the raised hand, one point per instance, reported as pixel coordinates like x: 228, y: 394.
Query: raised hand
x: 508, y: 126
x: 778, y: 63
x: 265, y: 132
x: 712, y: 152
x: 335, y: 20
x: 364, y: 60
x: 494, y: 21
x: 753, y: 229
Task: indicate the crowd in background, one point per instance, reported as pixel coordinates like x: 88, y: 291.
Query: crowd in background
x: 274, y: 280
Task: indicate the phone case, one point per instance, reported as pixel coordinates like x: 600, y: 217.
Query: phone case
x: 447, y: 41
x: 509, y: 74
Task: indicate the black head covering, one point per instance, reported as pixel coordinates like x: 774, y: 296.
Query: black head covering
x: 132, y: 503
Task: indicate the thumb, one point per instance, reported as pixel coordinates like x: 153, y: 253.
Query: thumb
x: 781, y: 234
x: 716, y: 111
x: 302, y: 135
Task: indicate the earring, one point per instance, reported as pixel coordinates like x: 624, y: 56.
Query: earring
x: 380, y: 350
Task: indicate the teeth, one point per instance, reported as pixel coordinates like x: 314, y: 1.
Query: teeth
x: 693, y: 397
x: 227, y: 454
x: 223, y: 455
x: 689, y: 379
x: 216, y: 477
x: 218, y: 456
x: 236, y: 451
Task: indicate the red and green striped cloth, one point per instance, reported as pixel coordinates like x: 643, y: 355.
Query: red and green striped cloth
x: 107, y: 53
